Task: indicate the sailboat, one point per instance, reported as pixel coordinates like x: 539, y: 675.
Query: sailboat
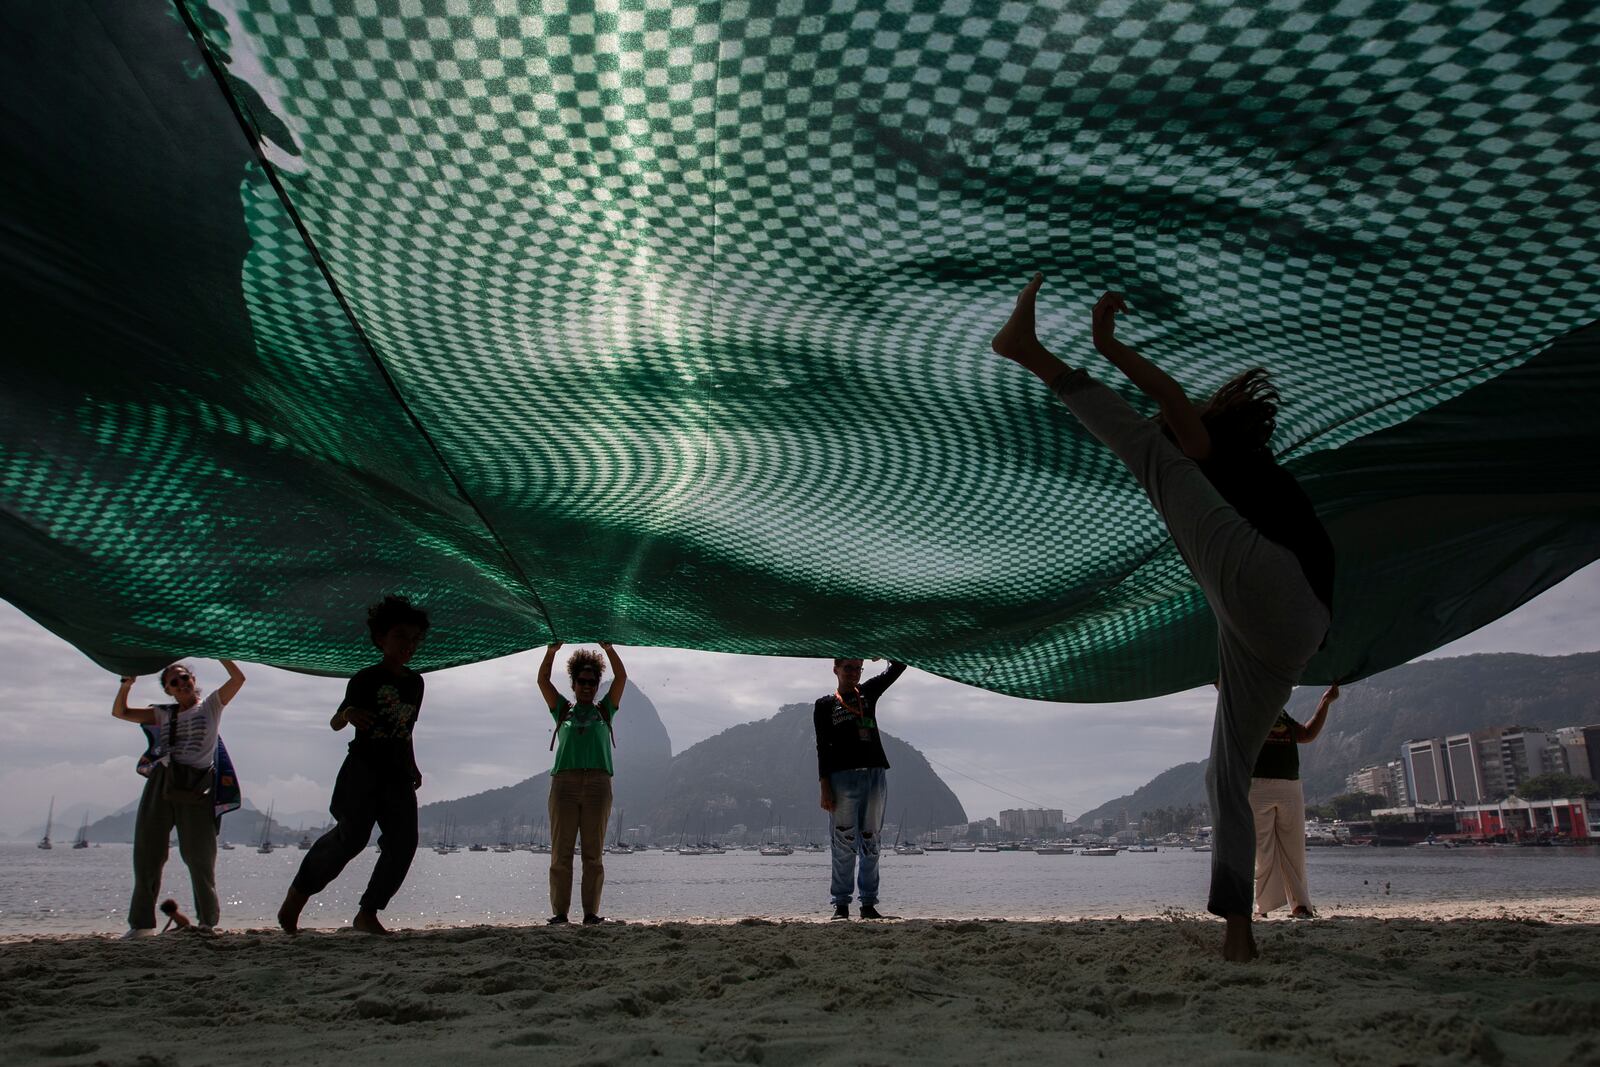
x: 82, y: 840
x: 44, y: 842
x: 910, y: 848
x: 266, y: 832
x: 618, y: 848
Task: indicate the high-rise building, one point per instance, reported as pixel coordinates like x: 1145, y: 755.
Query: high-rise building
x: 1467, y: 781
x: 1378, y: 780
x: 1029, y: 821
x: 1574, y: 751
x: 1524, y: 754
x: 1591, y: 743
x: 1427, y: 766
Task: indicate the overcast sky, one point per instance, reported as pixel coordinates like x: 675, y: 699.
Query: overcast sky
x: 484, y: 726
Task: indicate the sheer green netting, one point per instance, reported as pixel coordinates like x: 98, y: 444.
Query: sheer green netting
x: 667, y: 323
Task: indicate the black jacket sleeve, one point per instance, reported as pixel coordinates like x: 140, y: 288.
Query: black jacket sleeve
x: 873, y: 687
x: 820, y: 723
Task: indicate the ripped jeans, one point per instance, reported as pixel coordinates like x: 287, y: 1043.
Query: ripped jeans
x: 859, y: 797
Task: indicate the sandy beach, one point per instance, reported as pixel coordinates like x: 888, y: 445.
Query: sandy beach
x: 1463, y: 983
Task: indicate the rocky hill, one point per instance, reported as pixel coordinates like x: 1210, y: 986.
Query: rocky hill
x: 1430, y: 698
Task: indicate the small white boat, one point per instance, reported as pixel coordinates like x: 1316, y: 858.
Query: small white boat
x: 1200, y: 848
x: 1053, y: 850
x: 963, y: 848
x: 82, y: 840
x: 912, y: 849
x: 935, y: 844
x: 1141, y: 848
x: 988, y: 848
x: 776, y: 850
x: 1100, y: 850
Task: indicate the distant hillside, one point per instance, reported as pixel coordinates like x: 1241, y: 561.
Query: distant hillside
x: 641, y: 760
x: 1178, y: 787
x: 766, y: 771
x: 1430, y: 698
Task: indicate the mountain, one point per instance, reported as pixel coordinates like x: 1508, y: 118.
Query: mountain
x: 1374, y: 717
x: 642, y: 755
x: 1176, y: 787
x: 241, y: 827
x: 761, y: 773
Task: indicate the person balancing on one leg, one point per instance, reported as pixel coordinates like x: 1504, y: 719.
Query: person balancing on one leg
x: 854, y: 777
x: 1250, y: 537
x: 379, y: 780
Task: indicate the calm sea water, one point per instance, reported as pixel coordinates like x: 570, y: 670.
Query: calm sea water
x: 86, y: 891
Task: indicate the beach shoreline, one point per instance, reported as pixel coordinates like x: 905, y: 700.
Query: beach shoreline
x: 1512, y: 982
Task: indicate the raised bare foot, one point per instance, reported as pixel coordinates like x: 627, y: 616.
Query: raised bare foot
x: 1239, y: 943
x: 1017, y: 339
x: 366, y: 922
x: 294, y: 902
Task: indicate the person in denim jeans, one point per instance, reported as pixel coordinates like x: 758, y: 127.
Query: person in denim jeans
x: 853, y: 772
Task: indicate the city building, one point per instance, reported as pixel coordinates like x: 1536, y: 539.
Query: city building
x: 1031, y: 822
x: 1516, y: 819
x: 1575, y: 751
x: 1386, y: 780
x: 1427, y: 765
x: 1591, y: 744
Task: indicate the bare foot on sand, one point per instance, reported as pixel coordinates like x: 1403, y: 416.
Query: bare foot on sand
x: 294, y: 902
x: 366, y: 922
x: 1017, y: 339
x: 1239, y: 943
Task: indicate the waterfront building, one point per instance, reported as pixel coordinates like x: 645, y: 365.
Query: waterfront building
x: 1516, y: 819
x: 1031, y: 822
x: 1386, y: 780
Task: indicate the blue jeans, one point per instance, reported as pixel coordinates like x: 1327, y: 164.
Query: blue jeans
x: 859, y: 797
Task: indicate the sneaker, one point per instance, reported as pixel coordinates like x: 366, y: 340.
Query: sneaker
x: 556, y: 920
x: 869, y: 912
x: 593, y: 920
x: 841, y: 911
x: 135, y: 932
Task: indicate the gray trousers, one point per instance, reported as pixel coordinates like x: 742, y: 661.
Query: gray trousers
x: 197, y: 844
x: 1269, y: 622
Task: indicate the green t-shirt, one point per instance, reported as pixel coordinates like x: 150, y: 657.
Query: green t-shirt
x: 583, y: 743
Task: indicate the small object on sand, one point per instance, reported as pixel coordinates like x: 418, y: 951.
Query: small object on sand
x: 169, y: 908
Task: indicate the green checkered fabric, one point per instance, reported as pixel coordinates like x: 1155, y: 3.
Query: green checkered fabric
x: 667, y: 323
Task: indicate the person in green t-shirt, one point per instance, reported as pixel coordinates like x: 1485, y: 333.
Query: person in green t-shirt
x: 580, y: 780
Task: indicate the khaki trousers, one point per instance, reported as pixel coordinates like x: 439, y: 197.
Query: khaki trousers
x: 580, y: 807
x: 1280, y: 813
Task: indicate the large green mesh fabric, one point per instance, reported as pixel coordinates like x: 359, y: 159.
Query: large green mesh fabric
x: 666, y: 323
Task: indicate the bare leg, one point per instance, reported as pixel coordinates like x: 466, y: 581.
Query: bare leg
x: 294, y: 902
x: 1017, y: 339
x: 366, y: 922
x: 1239, y: 943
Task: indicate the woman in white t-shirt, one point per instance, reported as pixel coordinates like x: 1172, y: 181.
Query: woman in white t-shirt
x: 187, y: 731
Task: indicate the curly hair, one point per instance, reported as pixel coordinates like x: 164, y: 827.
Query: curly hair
x: 394, y: 611
x: 1242, y: 415
x: 585, y: 657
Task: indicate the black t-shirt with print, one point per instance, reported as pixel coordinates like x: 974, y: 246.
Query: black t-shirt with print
x: 844, y: 741
x: 394, y: 700
x: 1280, y: 755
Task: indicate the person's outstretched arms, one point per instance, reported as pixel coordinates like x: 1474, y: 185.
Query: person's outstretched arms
x: 873, y: 687
x: 120, y: 709
x: 619, y: 675
x: 1310, y: 730
x: 235, y: 682
x: 547, y: 689
x: 1180, y: 414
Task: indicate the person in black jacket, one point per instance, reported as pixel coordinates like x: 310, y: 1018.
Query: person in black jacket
x: 855, y: 787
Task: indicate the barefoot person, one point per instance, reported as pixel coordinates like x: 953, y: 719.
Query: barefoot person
x: 379, y: 780
x: 580, y: 780
x: 1249, y: 536
x: 180, y: 791
x: 853, y: 772
x: 1279, y: 805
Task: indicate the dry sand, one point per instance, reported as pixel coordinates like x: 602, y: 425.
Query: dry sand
x: 1518, y: 984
